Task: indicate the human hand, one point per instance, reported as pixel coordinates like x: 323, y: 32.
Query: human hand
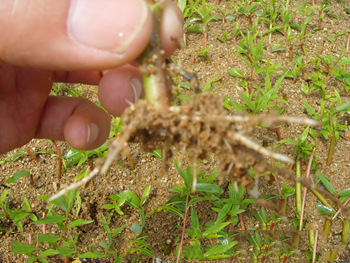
x: 74, y: 41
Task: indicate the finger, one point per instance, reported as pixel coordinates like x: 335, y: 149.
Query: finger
x: 83, y: 77
x: 120, y: 87
x: 78, y: 121
x: 171, y: 27
x: 75, y: 34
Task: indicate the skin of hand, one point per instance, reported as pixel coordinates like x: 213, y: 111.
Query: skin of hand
x: 73, y: 41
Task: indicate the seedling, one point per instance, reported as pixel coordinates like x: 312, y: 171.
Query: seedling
x: 269, y: 15
x: 330, y: 124
x: 299, y: 67
x: 15, y: 215
x: 247, y: 7
x: 324, y: 9
x: 19, y: 174
x: 203, y: 53
x: 253, y: 52
x: 287, y: 31
x: 303, y: 12
x: 205, y: 17
x: 224, y: 37
x: 227, y: 12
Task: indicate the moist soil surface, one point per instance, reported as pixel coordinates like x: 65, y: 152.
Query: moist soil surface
x: 148, y: 169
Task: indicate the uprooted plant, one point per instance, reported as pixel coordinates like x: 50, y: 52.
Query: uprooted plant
x: 199, y: 127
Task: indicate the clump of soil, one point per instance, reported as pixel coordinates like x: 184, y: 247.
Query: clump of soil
x: 201, y: 126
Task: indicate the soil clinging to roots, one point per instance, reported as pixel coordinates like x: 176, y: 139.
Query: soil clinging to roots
x: 196, y: 128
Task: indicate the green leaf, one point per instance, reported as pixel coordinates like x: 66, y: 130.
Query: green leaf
x: 344, y: 192
x: 325, y: 182
x: 223, y: 212
x: 157, y: 153
x: 3, y: 195
x: 48, y: 253
x: 19, y: 248
x: 118, y: 230
x: 131, y: 198
x: 146, y: 252
x: 196, y: 29
x: 215, y: 228
x: 235, y: 72
x: 26, y: 205
x: 17, y: 175
x: 343, y: 107
x: 211, y: 188
x: 174, y: 210
x: 50, y: 220
x: 20, y: 216
x: 195, y: 224
x: 219, y: 249
x: 50, y: 239
x: 186, y: 176
x: 136, y: 228
x: 79, y: 222
x: 277, y: 47
x: 65, y: 252
x: 92, y: 255
x: 145, y: 194
x: 324, y: 209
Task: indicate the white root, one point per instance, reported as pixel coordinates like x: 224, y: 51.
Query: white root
x: 256, y: 147
x: 118, y: 145
x: 75, y: 185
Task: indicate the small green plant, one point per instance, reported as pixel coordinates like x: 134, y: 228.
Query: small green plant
x: 203, y: 53
x: 306, y: 16
x: 67, y: 203
x: 254, y: 53
x: 205, y: 17
x: 224, y: 37
x: 227, y: 12
x: 330, y: 124
x: 298, y: 69
x: 15, y: 215
x: 129, y: 198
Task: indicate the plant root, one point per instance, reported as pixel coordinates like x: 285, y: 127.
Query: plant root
x: 201, y: 126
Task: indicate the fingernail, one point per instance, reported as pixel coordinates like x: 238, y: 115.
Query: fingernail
x: 92, y: 133
x: 136, y: 86
x: 109, y: 25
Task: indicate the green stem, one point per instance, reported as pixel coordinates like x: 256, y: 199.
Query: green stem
x: 331, y: 150
x: 311, y: 238
x: 322, y: 199
x: 298, y: 200
x: 153, y: 68
x: 327, y: 228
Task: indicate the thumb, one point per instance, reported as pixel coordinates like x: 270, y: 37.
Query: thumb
x: 73, y: 34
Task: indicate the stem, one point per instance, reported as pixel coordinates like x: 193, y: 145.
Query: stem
x: 322, y: 199
x: 345, y: 234
x: 183, y: 231
x: 327, y: 228
x: 312, y: 237
x: 304, y: 188
x: 205, y: 39
x: 33, y: 156
x: 348, y: 43
x: 341, y: 208
x: 315, y: 247
x: 44, y: 225
x: 298, y: 186
x: 153, y: 67
x: 278, y: 133
x: 331, y: 150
